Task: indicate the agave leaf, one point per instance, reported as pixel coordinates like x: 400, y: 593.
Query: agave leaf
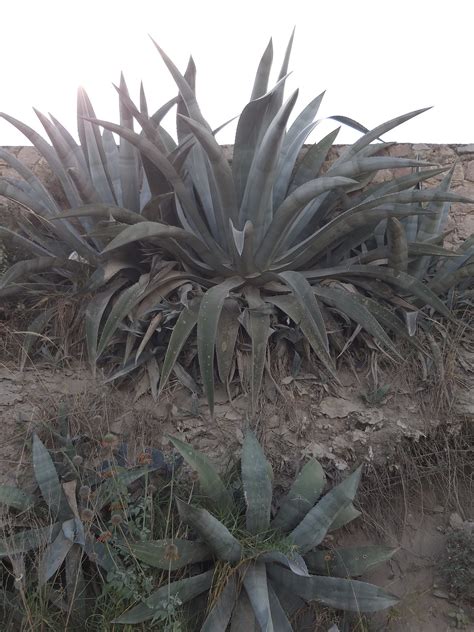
x: 152, y: 327
x: 161, y: 162
x: 357, y: 166
x: 121, y: 308
x: 227, y: 330
x: 156, y: 230
x: 300, y: 129
x: 312, y: 322
x: 279, y: 618
x: 70, y: 159
x: 48, y: 480
x: 55, y: 553
x: 293, y: 561
x: 23, y: 242
x: 276, y: 103
x: 209, y: 312
x: 401, y: 183
x: 287, y: 213
x: 314, y: 526
x: 113, y: 164
x: 35, y: 183
x: 185, y: 90
x: 378, y: 131
x: 183, y: 589
x: 464, y: 252
x: 105, y: 211
x: 260, y: 85
x: 212, y: 531
x: 431, y: 225
x: 345, y: 120
x: 250, y: 130
x: 257, y: 477
x: 343, y: 517
x: 76, y: 585
x: 16, y: 498
x: 305, y: 296
x: 210, y: 481
x: 310, y: 165
x: 348, y: 562
x: 181, y: 331
x: 255, y: 582
x: 298, y: 315
x: 399, y: 279
x: 397, y: 244
x: 243, y: 617
x: 50, y: 156
x: 343, y: 594
x: 93, y: 316
x: 129, y: 160
x: 227, y: 205
x: 452, y: 279
x: 32, y: 266
x: 257, y: 198
x: 93, y: 148
x: 258, y: 328
x: 219, y: 617
x: 350, y: 305
x: 260, y: 331
x: 304, y: 492
x: 27, y: 540
x: 154, y: 553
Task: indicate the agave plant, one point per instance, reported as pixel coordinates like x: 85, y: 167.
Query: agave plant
x: 92, y: 172
x: 77, y: 499
x: 259, y: 570
x: 274, y: 240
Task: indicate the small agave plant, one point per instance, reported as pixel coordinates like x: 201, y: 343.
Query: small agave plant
x: 258, y: 570
x: 71, y: 500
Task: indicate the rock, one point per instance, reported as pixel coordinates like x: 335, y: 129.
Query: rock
x: 470, y: 171
x: 336, y: 407
x: 465, y: 149
x: 455, y: 521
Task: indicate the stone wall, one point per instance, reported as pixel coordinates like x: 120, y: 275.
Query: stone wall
x: 461, y: 217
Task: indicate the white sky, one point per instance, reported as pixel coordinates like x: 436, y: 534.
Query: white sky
x: 375, y: 59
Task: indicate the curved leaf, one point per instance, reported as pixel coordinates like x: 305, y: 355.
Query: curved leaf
x: 344, y: 594
x: 348, y: 562
x: 156, y: 553
x: 304, y: 492
x: 183, y: 589
x: 212, y: 532
x: 210, y: 482
x: 48, y: 480
x: 257, y: 480
x: 219, y: 617
x: 227, y: 330
x: 209, y: 312
x: 314, y: 526
x: 16, y: 498
x: 181, y: 331
x: 255, y: 582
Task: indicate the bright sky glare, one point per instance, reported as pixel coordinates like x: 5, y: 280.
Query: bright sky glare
x: 375, y: 59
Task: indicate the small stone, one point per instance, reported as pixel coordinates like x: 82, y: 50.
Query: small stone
x: 438, y: 509
x: 465, y: 149
x: 470, y: 171
x: 455, y: 521
x: 441, y: 594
